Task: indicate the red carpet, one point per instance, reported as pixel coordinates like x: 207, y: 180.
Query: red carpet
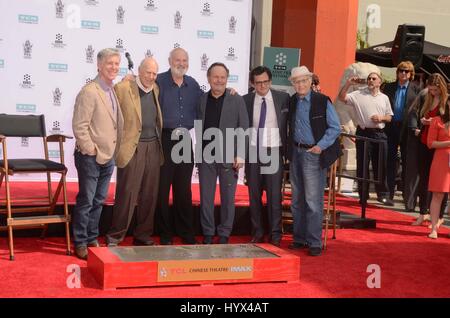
x: 412, y: 265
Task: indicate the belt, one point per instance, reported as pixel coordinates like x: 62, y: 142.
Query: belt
x: 371, y: 129
x: 305, y: 146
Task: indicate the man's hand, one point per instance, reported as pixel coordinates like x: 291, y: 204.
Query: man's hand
x: 377, y: 118
x: 238, y: 163
x: 129, y: 77
x: 316, y: 150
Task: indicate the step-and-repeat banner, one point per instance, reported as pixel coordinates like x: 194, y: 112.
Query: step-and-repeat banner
x: 48, y: 51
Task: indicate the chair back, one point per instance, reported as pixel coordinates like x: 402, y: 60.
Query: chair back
x: 22, y: 125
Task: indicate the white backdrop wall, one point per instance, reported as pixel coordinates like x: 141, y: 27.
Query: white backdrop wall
x: 48, y: 51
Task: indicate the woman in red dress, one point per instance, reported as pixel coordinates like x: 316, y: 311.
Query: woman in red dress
x: 439, y: 182
x: 433, y: 106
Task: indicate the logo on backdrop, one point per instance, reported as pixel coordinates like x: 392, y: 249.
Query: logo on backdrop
x: 176, y: 45
x: 233, y: 78
x: 280, y: 62
x: 25, y: 142
x: 58, y: 67
x: 204, y: 59
x: 90, y: 54
x: 59, y: 43
x: 206, y: 12
x: 26, y: 108
x: 56, y: 127
x: 120, y: 12
x: 27, y: 83
x: 231, y: 56
x: 27, y: 48
x: 177, y: 20
x: 90, y: 25
x: 119, y: 45
x: 204, y: 88
x: 151, y: 6
x: 88, y: 80
x: 149, y: 53
x: 57, y: 94
x: 149, y: 29
x: 28, y: 19
x: 91, y: 2
x: 232, y: 25
x: 202, y: 34
x: 59, y: 9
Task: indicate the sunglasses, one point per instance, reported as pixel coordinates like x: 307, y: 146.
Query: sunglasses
x: 404, y: 71
x: 372, y: 78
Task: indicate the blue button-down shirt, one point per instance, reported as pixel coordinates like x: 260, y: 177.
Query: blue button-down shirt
x: 303, y: 132
x: 400, y: 101
x: 178, y: 103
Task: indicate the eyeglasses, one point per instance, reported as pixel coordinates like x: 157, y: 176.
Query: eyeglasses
x: 266, y: 82
x: 302, y: 81
x: 372, y: 78
x: 404, y: 71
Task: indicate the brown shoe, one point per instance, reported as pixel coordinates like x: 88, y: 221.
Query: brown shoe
x: 81, y: 252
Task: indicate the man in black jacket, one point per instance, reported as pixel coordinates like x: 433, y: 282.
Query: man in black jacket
x: 402, y: 94
x: 267, y: 112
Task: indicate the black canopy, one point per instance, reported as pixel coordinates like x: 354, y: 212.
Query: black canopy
x: 436, y: 58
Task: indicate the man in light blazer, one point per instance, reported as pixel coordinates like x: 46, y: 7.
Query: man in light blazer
x: 97, y: 125
x: 219, y: 111
x: 268, y: 112
x: 139, y: 157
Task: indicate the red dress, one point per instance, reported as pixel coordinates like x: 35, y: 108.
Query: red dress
x: 440, y: 169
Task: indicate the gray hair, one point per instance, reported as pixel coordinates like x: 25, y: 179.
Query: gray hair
x: 105, y: 53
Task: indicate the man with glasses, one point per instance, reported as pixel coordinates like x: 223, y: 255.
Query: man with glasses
x: 313, y: 146
x: 402, y: 94
x: 267, y: 111
x: 373, y: 111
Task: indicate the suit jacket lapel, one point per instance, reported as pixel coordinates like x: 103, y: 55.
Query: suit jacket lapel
x: 134, y: 94
x: 103, y: 97
x: 277, y: 104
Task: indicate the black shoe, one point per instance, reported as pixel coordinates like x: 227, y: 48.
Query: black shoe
x: 189, y: 241
x: 276, y: 242
x: 93, y: 244
x: 315, y: 251
x: 148, y: 242
x: 81, y: 252
x: 208, y: 239
x: 297, y: 246
x: 386, y: 201
x: 256, y: 239
x: 223, y: 239
x: 165, y: 242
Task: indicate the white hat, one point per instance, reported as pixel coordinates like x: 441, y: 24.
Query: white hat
x: 299, y: 71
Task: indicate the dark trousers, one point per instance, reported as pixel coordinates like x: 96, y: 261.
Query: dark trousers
x: 374, y: 150
x: 180, y: 219
x: 137, y: 184
x: 271, y: 183
x: 93, y: 182
x: 425, y: 156
x: 393, y: 133
x: 411, y: 167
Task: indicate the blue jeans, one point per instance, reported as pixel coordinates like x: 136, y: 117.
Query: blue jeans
x: 93, y: 182
x: 308, y: 186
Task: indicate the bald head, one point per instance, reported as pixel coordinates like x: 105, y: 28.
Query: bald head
x: 148, y: 70
x: 179, y: 62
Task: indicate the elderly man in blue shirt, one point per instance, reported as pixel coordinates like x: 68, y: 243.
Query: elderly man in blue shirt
x: 313, y: 146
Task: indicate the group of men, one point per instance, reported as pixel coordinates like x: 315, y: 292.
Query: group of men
x: 139, y: 123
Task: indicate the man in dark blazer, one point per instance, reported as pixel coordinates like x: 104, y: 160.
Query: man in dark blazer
x: 402, y: 94
x: 267, y: 112
x: 222, y: 154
